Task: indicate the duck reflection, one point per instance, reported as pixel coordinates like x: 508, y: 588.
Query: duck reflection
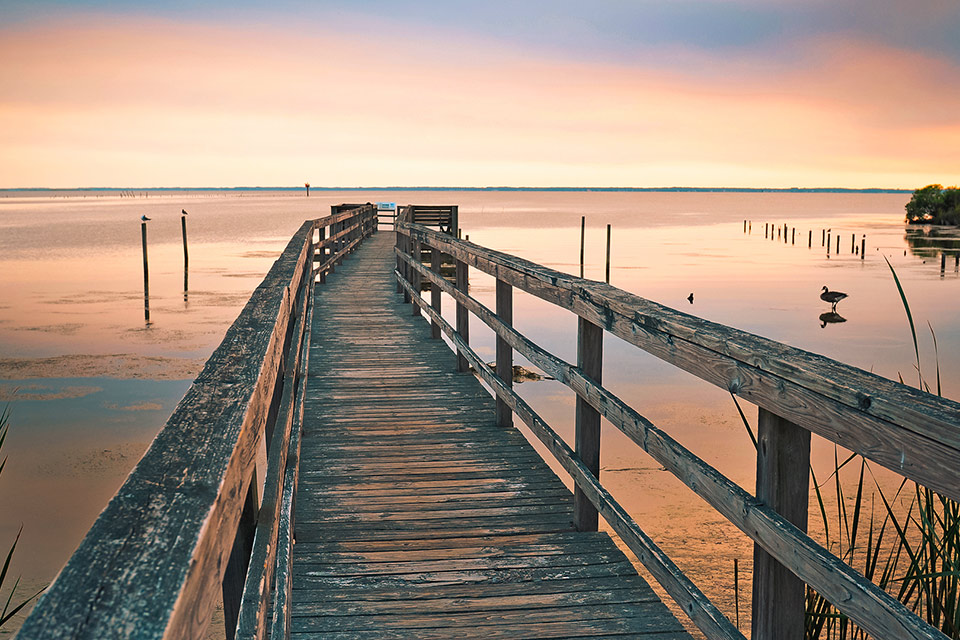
x: 830, y: 317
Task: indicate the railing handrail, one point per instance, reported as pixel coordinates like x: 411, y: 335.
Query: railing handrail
x: 914, y: 433
x: 746, y: 368
x: 152, y: 564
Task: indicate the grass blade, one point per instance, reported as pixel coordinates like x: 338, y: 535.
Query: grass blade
x: 906, y: 307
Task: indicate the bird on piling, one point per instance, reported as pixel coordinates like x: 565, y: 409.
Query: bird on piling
x: 833, y: 297
x: 144, y: 218
x: 183, y: 211
x: 690, y: 298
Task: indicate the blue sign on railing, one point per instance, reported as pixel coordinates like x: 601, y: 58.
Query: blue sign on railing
x: 386, y: 206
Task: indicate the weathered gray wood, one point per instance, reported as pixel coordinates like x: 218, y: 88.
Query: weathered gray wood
x: 868, y: 605
x: 463, y: 316
x: 783, y: 469
x: 911, y: 432
x: 252, y: 619
x: 590, y: 362
x: 152, y: 564
x: 233, y: 577
x: 504, y: 361
x: 401, y: 500
x: 435, y: 293
x: 703, y: 612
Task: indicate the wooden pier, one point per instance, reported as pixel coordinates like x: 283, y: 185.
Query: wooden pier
x: 335, y: 471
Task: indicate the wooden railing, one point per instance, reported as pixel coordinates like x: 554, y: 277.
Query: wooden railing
x: 213, y: 495
x: 913, y: 433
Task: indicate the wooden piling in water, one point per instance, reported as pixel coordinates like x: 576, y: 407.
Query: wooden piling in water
x: 829, y: 243
x: 863, y: 246
x: 583, y: 229
x: 793, y: 235
x: 146, y: 272
x: 943, y: 262
x: 810, y: 239
x: 823, y: 236
x: 608, y: 254
x: 765, y: 226
x: 853, y: 242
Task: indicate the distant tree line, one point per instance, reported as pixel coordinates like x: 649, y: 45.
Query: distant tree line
x: 934, y: 204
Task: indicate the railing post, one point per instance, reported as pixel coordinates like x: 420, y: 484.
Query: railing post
x: 400, y: 263
x: 435, y: 292
x: 504, y: 351
x: 236, y: 572
x: 407, y: 244
x: 783, y: 471
x: 323, y: 254
x: 590, y: 361
x: 415, y: 275
x: 463, y: 316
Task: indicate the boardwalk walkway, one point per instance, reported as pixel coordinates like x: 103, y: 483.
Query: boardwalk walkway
x: 416, y: 516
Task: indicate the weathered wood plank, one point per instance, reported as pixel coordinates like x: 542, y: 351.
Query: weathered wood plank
x: 410, y: 491
x: 152, y: 563
x: 872, y: 608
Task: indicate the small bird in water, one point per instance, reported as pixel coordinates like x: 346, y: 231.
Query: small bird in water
x: 144, y: 218
x: 833, y: 297
x: 690, y: 298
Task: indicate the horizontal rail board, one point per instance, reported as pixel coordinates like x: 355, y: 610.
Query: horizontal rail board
x: 911, y: 432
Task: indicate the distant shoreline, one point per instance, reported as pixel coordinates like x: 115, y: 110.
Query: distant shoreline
x: 22, y: 190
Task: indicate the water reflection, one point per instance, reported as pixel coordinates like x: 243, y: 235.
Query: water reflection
x: 929, y: 241
x: 830, y: 317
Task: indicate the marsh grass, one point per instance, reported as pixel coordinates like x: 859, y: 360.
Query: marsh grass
x: 911, y: 549
x: 906, y: 541
x: 9, y: 608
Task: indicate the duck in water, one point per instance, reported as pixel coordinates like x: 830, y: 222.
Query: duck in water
x: 833, y: 297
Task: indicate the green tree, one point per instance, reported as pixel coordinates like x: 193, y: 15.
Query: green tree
x: 934, y: 204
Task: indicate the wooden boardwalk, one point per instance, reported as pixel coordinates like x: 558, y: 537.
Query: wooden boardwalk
x: 416, y: 516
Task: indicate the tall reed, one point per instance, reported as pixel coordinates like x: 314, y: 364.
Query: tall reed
x: 919, y: 562
x: 10, y: 609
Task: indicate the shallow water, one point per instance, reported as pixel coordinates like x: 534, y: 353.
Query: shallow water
x: 90, y: 382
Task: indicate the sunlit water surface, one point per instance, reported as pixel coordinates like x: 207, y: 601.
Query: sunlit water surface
x: 89, y: 382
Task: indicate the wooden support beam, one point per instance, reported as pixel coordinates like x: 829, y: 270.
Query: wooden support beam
x: 590, y: 361
x: 463, y: 315
x: 504, y: 350
x: 783, y: 471
x: 414, y: 276
x: 236, y: 572
x: 435, y: 256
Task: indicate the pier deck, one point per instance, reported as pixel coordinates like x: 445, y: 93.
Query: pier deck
x: 416, y: 516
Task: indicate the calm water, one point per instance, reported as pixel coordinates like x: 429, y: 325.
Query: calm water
x: 90, y: 383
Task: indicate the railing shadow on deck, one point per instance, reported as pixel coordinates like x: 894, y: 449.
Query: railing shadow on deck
x: 213, y: 494
x: 913, y: 433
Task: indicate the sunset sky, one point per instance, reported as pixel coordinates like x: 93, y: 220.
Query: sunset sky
x: 755, y: 93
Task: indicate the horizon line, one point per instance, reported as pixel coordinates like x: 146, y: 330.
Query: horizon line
x: 486, y: 188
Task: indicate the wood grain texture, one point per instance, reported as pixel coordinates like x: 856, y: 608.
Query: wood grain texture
x: 911, y: 432
x: 783, y: 471
x: 868, y: 605
x: 152, y: 563
x: 409, y: 493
